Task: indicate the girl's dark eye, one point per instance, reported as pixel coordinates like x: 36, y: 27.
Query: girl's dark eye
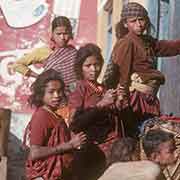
x: 88, y: 65
x: 61, y: 34
x: 133, y: 21
x: 50, y: 92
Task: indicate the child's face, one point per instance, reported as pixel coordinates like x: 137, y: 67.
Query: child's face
x: 53, y: 94
x: 91, y: 68
x: 136, y: 25
x: 167, y: 153
x: 61, y: 36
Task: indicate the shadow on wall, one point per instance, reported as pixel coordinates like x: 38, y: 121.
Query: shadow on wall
x: 16, y: 154
x: 16, y: 159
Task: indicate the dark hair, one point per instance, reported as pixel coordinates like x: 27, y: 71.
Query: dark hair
x: 132, y: 9
x: 153, y: 138
x: 38, y: 87
x: 62, y: 21
x: 84, y: 52
x: 123, y: 149
x: 121, y: 30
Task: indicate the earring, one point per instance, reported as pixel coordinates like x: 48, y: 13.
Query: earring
x: 125, y: 25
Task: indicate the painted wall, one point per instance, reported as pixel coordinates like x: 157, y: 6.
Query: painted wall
x: 19, y: 36
x: 164, y: 16
x: 87, y: 28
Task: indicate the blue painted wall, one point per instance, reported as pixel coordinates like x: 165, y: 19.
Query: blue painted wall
x: 170, y: 28
x: 165, y: 16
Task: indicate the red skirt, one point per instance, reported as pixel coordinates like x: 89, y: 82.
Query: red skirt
x: 144, y: 104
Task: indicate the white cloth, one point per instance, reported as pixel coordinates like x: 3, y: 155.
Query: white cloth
x: 133, y: 170
x: 23, y: 13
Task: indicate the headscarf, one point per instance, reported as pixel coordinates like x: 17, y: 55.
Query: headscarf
x: 130, y: 10
x: 133, y: 9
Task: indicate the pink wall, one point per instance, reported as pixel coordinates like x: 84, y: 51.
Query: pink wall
x: 88, y: 22
x: 14, y: 88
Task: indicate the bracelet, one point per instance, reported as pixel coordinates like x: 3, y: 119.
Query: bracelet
x: 79, y: 147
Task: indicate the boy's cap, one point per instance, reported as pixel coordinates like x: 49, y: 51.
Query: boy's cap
x: 133, y: 9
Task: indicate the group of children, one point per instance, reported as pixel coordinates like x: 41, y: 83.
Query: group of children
x: 83, y: 146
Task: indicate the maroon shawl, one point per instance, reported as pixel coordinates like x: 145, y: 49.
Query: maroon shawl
x: 50, y: 168
x: 87, y: 95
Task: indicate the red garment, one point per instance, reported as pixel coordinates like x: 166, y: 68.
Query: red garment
x: 45, y: 129
x: 62, y: 60
x: 86, y: 96
x: 102, y: 130
x: 144, y: 104
x: 171, y: 118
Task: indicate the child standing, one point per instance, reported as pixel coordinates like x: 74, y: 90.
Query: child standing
x: 59, y: 55
x: 50, y: 145
x: 133, y: 54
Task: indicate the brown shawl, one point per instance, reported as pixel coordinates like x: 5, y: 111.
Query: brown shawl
x: 50, y: 168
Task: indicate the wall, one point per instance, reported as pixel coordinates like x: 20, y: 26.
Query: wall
x: 87, y: 22
x: 170, y: 92
x: 164, y: 16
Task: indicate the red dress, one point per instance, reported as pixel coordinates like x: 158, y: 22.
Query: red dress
x: 45, y: 129
x: 100, y: 125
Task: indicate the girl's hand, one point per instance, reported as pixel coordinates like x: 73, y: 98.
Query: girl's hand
x: 108, y: 99
x: 78, y: 140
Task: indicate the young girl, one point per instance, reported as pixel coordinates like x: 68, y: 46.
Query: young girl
x: 50, y: 145
x: 92, y: 112
x: 59, y: 55
x: 133, y: 54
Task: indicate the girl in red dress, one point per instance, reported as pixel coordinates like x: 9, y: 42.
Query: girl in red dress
x: 92, y: 111
x: 50, y: 145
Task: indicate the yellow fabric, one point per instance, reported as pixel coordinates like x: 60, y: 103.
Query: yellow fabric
x: 139, y: 85
x: 65, y: 113
x: 36, y: 56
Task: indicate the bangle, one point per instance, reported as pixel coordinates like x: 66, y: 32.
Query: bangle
x: 79, y: 147
x: 71, y: 146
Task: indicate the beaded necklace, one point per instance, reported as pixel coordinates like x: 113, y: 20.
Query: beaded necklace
x: 98, y: 89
